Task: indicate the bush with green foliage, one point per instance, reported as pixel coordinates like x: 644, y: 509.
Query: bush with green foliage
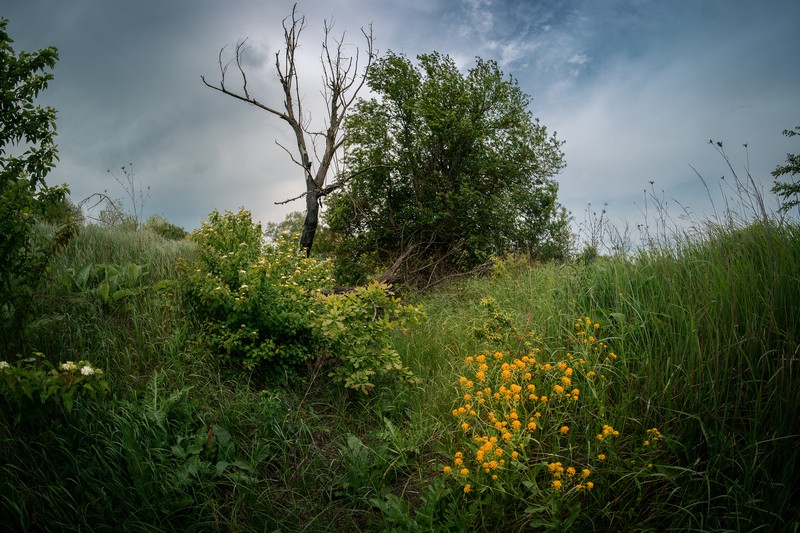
x: 33, y: 386
x: 55, y: 207
x: 358, y: 326
x: 265, y: 306
x: 159, y: 225
x: 29, y: 131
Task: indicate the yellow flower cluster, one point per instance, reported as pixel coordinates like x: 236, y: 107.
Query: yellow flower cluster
x: 607, y: 432
x: 520, y: 407
x: 653, y: 436
x: 502, y: 409
x: 568, y: 478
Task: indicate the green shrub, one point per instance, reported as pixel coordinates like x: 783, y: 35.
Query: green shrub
x: 255, y: 300
x: 33, y: 386
x: 358, y: 326
x: 163, y: 227
x: 266, y: 306
x: 27, y: 153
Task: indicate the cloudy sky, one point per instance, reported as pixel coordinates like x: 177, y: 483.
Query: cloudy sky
x: 636, y: 88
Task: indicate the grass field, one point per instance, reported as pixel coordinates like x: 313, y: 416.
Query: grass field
x: 698, y: 341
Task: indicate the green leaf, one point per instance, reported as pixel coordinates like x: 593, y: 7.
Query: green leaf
x: 103, y: 291
x: 221, y: 466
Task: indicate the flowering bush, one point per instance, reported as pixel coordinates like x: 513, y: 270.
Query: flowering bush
x: 255, y: 299
x: 35, y: 381
x: 524, y: 428
x: 357, y: 326
x: 266, y: 306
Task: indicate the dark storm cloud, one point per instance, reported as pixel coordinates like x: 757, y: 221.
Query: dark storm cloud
x: 635, y: 87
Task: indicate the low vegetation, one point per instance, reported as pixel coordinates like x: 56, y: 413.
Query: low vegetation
x: 648, y: 392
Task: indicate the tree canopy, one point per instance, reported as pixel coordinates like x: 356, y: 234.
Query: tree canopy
x: 789, y: 191
x: 446, y: 169
x: 27, y: 153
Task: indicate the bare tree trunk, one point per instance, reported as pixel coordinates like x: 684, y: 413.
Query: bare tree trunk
x: 312, y: 218
x: 341, y: 84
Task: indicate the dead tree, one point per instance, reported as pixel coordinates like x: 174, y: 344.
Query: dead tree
x: 341, y: 83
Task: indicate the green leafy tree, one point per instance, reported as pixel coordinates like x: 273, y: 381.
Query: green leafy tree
x: 27, y: 153
x: 55, y: 207
x: 789, y: 191
x: 446, y: 170
x: 160, y: 225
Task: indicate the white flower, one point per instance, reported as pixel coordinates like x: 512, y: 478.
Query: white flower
x: 69, y: 366
x: 3, y: 365
x: 244, y: 286
x: 87, y: 370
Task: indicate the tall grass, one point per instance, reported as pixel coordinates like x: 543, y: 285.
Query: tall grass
x: 709, y: 330
x: 715, y: 327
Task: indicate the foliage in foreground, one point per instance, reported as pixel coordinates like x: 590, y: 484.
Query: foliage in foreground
x: 534, y: 429
x: 702, y: 388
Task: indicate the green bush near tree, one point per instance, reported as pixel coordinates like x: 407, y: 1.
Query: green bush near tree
x: 267, y: 306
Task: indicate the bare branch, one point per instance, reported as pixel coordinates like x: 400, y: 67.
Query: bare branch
x: 341, y: 82
x: 291, y: 199
x: 295, y: 161
x: 240, y: 48
x: 325, y: 191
